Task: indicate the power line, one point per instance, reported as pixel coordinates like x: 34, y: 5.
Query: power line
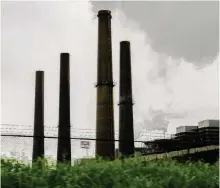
x: 73, y: 138
x: 46, y: 126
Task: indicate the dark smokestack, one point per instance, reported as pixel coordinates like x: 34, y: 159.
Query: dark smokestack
x: 105, y: 112
x: 64, y: 142
x: 38, y: 142
x: 126, y: 130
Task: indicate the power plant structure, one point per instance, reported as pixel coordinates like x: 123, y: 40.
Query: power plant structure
x: 189, y: 137
x: 38, y: 142
x: 64, y: 142
x: 126, y: 129
x: 205, y: 134
x: 105, y: 144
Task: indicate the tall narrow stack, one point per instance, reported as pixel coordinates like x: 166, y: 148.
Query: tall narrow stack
x: 38, y: 142
x: 126, y: 130
x: 105, y: 145
x: 64, y: 142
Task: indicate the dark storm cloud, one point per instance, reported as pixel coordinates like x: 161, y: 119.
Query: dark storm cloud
x: 187, y: 30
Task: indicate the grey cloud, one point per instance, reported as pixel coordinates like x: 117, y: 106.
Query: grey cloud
x: 159, y: 70
x: 160, y: 113
x: 187, y: 30
x: 157, y: 122
x: 160, y: 119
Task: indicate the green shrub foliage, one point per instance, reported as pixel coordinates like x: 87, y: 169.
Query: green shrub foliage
x: 128, y: 173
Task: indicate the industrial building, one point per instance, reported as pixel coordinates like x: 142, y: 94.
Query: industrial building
x: 208, y: 123
x: 206, y: 133
x: 186, y: 128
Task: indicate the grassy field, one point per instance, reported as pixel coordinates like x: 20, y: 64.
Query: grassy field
x: 117, y: 174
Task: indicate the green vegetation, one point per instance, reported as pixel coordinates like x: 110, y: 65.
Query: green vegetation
x: 129, y: 173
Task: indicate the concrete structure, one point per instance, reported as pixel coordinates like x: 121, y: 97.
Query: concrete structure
x: 38, y: 142
x: 126, y: 129
x: 208, y: 123
x: 64, y: 144
x: 186, y: 128
x: 105, y: 145
x: 150, y: 135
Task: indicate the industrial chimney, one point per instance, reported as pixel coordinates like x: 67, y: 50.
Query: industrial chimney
x: 64, y: 142
x: 105, y: 145
x: 38, y: 142
x: 126, y: 130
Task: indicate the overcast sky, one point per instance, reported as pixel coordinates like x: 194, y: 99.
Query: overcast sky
x: 186, y: 29
x: 174, y: 49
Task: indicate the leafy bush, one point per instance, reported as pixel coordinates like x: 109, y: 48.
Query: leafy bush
x: 128, y: 173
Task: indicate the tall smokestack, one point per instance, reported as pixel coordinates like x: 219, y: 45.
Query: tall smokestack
x: 64, y: 142
x: 105, y: 111
x: 38, y: 142
x: 126, y: 130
